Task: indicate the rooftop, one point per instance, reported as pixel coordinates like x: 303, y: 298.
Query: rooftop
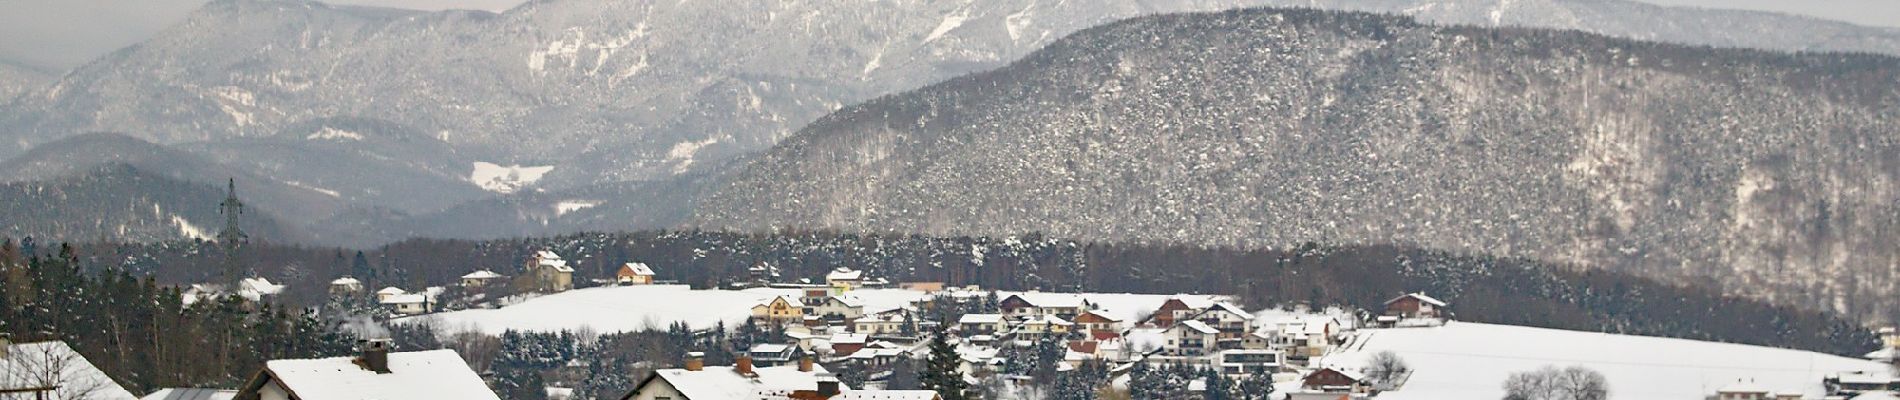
x: 433, y: 374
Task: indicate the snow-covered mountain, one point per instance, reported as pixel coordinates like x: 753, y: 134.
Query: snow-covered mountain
x: 1772, y: 174
x: 16, y: 79
x: 512, y: 112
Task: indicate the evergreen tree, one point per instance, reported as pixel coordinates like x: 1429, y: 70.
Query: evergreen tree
x: 1218, y: 386
x: 1255, y: 387
x: 940, y: 371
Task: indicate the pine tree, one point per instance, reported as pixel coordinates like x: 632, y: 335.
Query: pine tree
x: 940, y: 371
x: 1218, y: 386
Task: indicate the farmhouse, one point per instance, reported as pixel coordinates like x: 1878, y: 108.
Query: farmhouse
x: 634, y: 273
x: 375, y: 373
x: 345, y: 286
x: 546, y: 272
x: 480, y: 279
x: 778, y: 310
x: 1415, y: 305
x: 1332, y: 380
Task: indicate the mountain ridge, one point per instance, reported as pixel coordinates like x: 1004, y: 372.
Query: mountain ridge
x: 1269, y: 127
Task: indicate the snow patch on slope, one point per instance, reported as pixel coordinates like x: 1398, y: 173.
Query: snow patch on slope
x: 328, y: 133
x: 506, y: 178
x: 187, y: 229
x: 568, y: 206
x: 950, y: 22
x: 682, y: 153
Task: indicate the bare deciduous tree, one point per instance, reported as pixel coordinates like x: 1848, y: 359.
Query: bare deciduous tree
x: 52, y: 366
x: 1551, y: 383
x: 1386, y: 368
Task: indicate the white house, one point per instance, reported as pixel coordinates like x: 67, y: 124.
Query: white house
x: 385, y: 293
x: 1191, y: 338
x: 804, y: 380
x: 375, y: 373
x: 345, y: 286
x: 980, y: 324
x: 409, y: 303
x: 845, y: 278
x: 480, y: 279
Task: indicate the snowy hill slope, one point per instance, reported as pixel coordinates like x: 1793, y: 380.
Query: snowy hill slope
x: 634, y: 308
x: 1471, y: 361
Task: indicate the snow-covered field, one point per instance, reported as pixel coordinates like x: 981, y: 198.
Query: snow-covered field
x: 1464, y: 360
x: 633, y: 308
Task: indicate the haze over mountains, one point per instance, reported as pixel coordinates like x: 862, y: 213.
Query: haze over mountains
x: 357, y: 126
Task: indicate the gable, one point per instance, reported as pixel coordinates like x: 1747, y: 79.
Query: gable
x: 1014, y: 302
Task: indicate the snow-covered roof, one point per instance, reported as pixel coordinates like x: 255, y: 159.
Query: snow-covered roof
x: 768, y: 302
x: 638, y: 268
x: 391, y: 290
x: 850, y: 338
x: 849, y: 300
x: 1050, y: 320
x: 1877, y: 395
x: 482, y: 274
x: 1744, y: 386
x: 1194, y: 302
x: 1197, y: 326
x: 338, y: 282
x: 886, y: 395
x: 1420, y: 296
x: 30, y: 365
x: 980, y: 319
x: 190, y: 394
x: 1053, y: 300
x: 1876, y: 378
x: 549, y: 259
x: 1886, y: 354
x: 411, y: 298
x: 771, y: 348
x: 714, y: 382
x: 844, y: 274
x: 1236, y: 310
x: 433, y: 374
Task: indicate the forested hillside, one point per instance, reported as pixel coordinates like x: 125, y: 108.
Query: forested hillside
x: 121, y: 202
x: 1768, y: 175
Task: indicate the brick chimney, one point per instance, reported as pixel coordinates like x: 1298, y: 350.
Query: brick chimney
x: 827, y: 385
x: 804, y: 364
x: 743, y: 365
x: 695, y: 361
x: 374, y: 354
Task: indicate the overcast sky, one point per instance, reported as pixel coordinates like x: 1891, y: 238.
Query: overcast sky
x: 56, y: 35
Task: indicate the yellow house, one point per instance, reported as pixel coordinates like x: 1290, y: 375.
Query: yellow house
x: 780, y: 309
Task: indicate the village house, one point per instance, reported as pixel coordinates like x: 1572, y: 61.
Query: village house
x: 1177, y: 307
x: 409, y: 303
x: 742, y: 380
x: 1303, y: 338
x: 1850, y: 384
x: 773, y: 354
x: 375, y: 373
x: 888, y: 322
x: 1749, y: 390
x: 1044, y: 325
x: 926, y: 287
x: 634, y: 273
x: 1062, y: 305
x: 345, y: 287
x: 831, y: 309
x: 1229, y: 319
x: 546, y: 272
x: 843, y: 344
x: 1415, y: 305
x: 980, y: 324
x: 1248, y: 362
x: 779, y: 310
x: 844, y: 279
x: 1333, y: 380
x: 251, y: 291
x: 1091, y: 320
x: 478, y: 280
x: 384, y: 293
x: 1191, y: 338
x: 190, y: 394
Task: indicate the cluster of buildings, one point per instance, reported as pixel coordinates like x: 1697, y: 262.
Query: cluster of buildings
x: 544, y: 272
